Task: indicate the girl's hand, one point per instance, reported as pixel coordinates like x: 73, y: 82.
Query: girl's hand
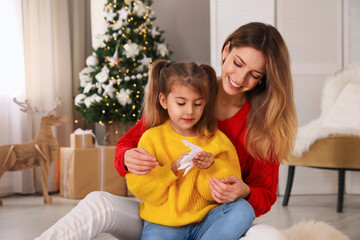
x: 175, y: 165
x: 203, y: 160
x: 228, y: 189
x: 139, y: 161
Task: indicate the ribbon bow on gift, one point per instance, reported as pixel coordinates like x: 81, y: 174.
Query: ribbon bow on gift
x: 82, y: 132
x: 187, y: 163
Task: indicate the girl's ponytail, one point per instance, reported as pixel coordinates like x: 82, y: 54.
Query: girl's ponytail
x: 212, y: 79
x: 209, y: 114
x: 154, y: 113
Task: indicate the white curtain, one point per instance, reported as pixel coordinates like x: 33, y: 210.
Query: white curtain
x: 13, y: 122
x: 53, y: 43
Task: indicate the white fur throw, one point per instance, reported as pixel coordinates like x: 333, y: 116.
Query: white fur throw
x: 340, y: 111
x: 303, y: 230
x: 313, y: 230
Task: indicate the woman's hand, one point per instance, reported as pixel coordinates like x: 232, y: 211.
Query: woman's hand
x: 203, y: 160
x: 139, y: 161
x: 228, y: 189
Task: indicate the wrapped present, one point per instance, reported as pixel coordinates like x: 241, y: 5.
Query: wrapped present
x: 83, y: 170
x: 82, y: 138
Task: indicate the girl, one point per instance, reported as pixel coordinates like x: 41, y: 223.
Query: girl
x: 179, y: 103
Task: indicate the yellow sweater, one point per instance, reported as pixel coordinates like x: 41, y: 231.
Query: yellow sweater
x: 177, y: 200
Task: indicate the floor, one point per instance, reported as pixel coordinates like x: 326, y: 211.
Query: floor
x: 25, y: 217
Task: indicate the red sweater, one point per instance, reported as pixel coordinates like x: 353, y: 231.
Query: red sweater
x: 260, y: 175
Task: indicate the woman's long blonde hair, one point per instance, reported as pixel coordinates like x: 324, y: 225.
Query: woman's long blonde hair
x: 272, y: 121
x: 163, y: 76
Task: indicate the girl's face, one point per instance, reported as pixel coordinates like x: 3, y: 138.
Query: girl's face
x: 185, y: 107
x: 242, y: 69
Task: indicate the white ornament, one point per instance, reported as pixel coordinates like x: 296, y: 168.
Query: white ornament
x: 85, y: 79
x: 84, y: 76
x: 145, y: 60
x: 103, y: 75
x: 93, y: 98
x: 105, y: 69
x: 88, y: 87
x: 114, y: 59
x: 124, y: 97
x: 110, y: 16
x: 92, y: 61
x: 154, y: 32
x: 117, y: 25
x: 80, y: 98
x: 140, y: 9
x: 139, y: 76
x: 109, y: 89
x: 99, y: 90
x: 123, y: 14
x: 98, y: 42
x: 132, y: 50
x: 126, y: 78
x: 162, y: 50
x: 133, y: 77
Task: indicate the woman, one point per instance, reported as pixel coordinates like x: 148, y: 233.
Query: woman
x: 255, y: 109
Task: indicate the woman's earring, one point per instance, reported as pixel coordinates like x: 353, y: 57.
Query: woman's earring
x: 259, y: 82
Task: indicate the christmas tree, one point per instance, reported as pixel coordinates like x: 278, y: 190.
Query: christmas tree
x: 112, y: 84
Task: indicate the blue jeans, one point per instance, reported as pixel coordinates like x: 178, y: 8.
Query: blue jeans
x: 226, y: 222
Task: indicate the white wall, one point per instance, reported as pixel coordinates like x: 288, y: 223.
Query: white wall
x: 187, y: 28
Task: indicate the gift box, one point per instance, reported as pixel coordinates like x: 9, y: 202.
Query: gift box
x: 83, y: 170
x: 82, y: 139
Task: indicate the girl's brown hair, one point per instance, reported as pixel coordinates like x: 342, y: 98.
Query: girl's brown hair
x: 271, y: 122
x: 163, y: 76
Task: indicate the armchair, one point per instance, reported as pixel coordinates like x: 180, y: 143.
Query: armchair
x: 333, y: 140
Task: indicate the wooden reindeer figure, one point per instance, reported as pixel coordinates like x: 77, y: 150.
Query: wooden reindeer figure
x: 39, y: 152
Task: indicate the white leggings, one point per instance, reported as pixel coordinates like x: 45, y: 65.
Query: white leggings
x: 102, y: 212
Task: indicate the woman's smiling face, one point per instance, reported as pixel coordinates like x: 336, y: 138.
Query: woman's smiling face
x: 242, y: 70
